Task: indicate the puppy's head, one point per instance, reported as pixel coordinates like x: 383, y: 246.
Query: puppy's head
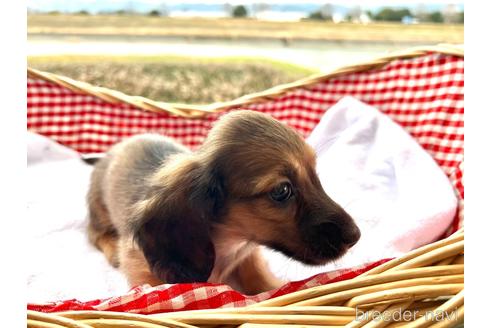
x: 272, y: 193
x: 254, y: 177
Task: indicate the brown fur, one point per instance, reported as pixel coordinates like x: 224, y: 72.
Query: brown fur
x: 254, y: 276
x: 176, y: 216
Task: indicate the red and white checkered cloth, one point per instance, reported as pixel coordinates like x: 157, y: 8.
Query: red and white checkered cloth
x: 425, y: 95
x: 184, y: 297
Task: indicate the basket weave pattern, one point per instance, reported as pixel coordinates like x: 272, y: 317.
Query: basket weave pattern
x: 427, y: 284
x: 421, y: 89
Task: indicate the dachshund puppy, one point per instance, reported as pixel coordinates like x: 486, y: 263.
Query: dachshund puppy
x: 166, y: 215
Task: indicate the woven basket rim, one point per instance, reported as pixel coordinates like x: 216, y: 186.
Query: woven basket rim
x: 429, y: 278
x: 433, y: 270
x: 199, y: 111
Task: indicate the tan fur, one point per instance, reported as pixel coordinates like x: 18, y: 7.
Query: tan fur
x: 257, y: 221
x: 101, y: 232
x: 254, y: 275
x: 134, y: 265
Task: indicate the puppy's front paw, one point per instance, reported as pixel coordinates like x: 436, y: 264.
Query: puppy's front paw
x: 271, y: 283
x: 276, y: 283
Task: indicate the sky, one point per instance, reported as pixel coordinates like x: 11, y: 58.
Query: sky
x: 321, y: 2
x: 145, y: 5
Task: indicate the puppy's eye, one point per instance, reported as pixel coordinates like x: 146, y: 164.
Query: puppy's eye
x: 282, y: 192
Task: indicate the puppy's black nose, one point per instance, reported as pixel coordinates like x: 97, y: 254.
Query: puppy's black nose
x: 351, y: 235
x: 329, y: 232
x: 347, y: 234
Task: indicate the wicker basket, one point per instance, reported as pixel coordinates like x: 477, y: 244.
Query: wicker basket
x: 424, y: 288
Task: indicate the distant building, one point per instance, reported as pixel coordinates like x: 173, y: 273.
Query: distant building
x: 409, y: 20
x: 420, y: 12
x: 356, y: 15
x: 198, y: 13
x: 271, y: 15
x: 362, y: 18
x: 327, y: 11
x: 451, y: 13
x: 338, y: 18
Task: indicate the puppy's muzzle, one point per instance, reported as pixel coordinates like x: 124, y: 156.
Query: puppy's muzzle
x: 329, y: 232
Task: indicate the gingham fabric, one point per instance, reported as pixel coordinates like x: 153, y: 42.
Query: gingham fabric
x: 184, y: 297
x: 425, y: 95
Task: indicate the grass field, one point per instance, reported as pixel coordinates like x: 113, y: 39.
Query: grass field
x: 227, y: 28
x: 173, y: 79
x: 179, y: 79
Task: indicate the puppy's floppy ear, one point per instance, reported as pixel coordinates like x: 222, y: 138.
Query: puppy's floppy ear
x: 172, y: 224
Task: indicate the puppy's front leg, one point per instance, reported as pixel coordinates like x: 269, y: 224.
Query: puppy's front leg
x: 134, y: 265
x: 254, y: 276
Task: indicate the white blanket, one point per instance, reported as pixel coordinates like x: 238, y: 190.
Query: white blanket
x: 62, y: 263
x: 395, y: 191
